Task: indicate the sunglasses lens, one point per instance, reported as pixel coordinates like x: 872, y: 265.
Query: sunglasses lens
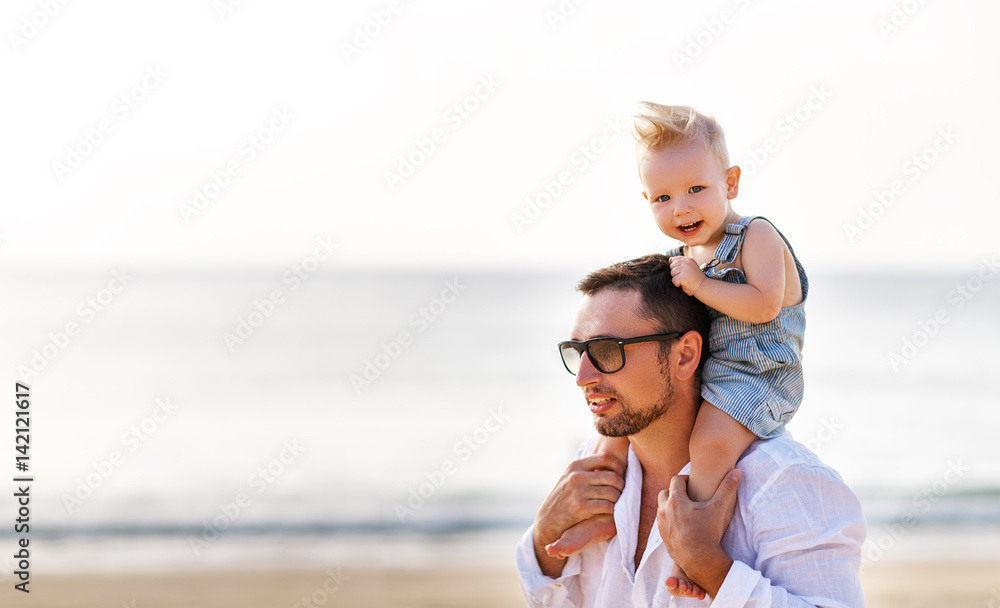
x: 606, y: 356
x: 571, y: 357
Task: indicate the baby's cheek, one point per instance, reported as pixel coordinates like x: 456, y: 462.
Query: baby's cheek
x: 662, y: 219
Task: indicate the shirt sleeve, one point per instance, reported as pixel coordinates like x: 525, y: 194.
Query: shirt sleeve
x: 807, y: 528
x: 541, y: 591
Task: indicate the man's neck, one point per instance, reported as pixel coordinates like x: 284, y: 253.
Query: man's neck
x: 662, y: 450
x: 662, y: 447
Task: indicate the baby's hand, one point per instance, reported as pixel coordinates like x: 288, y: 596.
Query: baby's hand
x: 686, y: 274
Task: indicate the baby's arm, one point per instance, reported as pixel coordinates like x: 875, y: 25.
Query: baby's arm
x: 759, y: 300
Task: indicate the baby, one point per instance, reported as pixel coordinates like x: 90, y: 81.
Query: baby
x: 745, y: 271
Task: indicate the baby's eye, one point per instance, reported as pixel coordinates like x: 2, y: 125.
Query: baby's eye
x: 696, y: 189
x: 663, y: 198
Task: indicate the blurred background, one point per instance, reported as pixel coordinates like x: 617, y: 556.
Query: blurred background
x: 285, y: 280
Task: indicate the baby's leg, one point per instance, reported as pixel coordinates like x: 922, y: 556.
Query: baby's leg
x: 616, y: 446
x: 598, y: 528
x: 717, y: 441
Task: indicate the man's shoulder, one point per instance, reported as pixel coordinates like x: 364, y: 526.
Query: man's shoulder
x: 781, y: 451
x: 783, y: 460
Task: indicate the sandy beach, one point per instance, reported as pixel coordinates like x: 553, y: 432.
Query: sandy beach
x: 887, y: 585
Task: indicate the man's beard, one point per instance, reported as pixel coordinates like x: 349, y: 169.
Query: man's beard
x: 629, y: 421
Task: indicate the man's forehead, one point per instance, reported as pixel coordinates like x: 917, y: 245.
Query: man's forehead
x: 610, y: 312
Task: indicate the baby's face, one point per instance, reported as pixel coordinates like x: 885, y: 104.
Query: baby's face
x: 688, y: 191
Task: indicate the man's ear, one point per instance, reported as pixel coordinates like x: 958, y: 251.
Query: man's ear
x: 687, y: 351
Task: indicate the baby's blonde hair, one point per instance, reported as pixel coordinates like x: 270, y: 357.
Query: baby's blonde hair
x: 660, y: 127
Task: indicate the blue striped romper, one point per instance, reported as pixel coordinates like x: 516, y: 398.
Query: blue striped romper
x: 754, y: 370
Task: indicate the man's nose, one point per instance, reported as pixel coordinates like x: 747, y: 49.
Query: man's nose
x: 587, y: 374
x: 681, y: 207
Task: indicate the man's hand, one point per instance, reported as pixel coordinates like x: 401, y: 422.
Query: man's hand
x: 686, y: 274
x: 692, y: 531
x: 590, y: 486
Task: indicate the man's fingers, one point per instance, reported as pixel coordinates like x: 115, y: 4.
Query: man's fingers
x: 597, y: 462
x: 679, y: 488
x: 726, y: 494
x: 596, y: 506
x: 586, y: 489
x: 662, y: 497
x: 606, y: 478
x: 601, y: 493
x: 584, y: 480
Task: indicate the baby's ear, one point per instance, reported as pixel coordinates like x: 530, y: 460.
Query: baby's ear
x: 733, y: 181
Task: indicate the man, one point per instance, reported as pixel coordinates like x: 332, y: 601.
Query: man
x: 796, y: 532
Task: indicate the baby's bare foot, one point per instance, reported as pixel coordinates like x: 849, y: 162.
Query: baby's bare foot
x: 588, y: 532
x: 680, y: 585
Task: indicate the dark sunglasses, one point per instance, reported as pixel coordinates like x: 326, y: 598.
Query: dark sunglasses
x: 607, y: 354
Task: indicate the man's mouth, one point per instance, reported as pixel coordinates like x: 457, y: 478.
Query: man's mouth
x: 690, y: 228
x: 601, y: 405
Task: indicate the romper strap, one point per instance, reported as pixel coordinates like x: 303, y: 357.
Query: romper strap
x: 729, y: 248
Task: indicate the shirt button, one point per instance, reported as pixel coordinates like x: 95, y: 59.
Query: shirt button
x: 624, y: 570
x: 558, y: 584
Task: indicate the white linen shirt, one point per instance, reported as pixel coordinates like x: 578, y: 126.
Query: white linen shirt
x: 795, y: 540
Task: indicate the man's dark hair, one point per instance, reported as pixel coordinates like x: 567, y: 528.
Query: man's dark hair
x: 661, y: 302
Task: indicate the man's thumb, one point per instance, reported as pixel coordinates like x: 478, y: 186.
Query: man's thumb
x: 727, y: 489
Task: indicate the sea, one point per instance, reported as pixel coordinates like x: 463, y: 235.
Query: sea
x: 220, y: 420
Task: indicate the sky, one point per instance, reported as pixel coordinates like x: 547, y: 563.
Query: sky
x: 443, y: 135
